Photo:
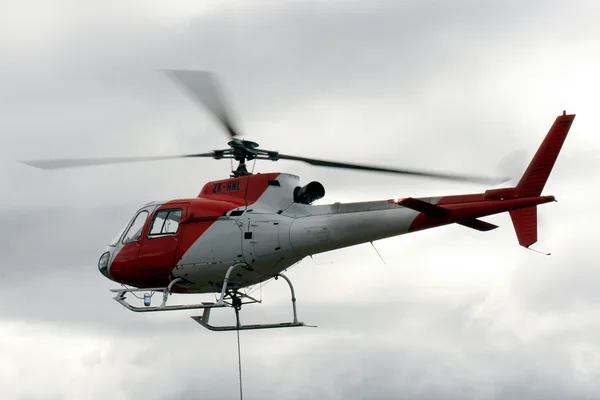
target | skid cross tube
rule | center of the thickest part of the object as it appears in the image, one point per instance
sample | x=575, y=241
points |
x=120, y=296
x=225, y=282
x=204, y=318
x=167, y=292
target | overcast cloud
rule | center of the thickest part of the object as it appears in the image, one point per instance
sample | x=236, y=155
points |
x=452, y=314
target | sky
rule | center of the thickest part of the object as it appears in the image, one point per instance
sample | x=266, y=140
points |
x=449, y=86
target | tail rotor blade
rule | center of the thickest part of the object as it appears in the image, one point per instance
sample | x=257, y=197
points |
x=513, y=165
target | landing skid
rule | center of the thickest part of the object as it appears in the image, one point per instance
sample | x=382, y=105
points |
x=232, y=299
x=237, y=305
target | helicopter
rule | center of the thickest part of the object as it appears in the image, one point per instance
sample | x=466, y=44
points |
x=251, y=227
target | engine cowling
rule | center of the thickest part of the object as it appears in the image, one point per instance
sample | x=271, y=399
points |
x=309, y=193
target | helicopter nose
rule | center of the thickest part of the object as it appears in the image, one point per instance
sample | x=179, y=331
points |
x=103, y=264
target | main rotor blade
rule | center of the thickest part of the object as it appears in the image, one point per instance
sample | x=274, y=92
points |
x=203, y=87
x=335, y=164
x=86, y=162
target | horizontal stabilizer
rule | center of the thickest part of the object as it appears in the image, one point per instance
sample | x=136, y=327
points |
x=422, y=206
x=478, y=224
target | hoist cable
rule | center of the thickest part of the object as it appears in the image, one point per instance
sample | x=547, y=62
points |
x=240, y=364
x=237, y=321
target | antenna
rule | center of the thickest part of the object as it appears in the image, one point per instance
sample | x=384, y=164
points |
x=311, y=257
x=377, y=251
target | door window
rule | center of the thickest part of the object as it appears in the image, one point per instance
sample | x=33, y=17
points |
x=166, y=222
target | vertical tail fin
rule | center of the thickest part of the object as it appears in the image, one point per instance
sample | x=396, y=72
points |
x=535, y=177
x=525, y=223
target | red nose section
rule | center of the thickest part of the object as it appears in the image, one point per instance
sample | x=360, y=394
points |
x=124, y=269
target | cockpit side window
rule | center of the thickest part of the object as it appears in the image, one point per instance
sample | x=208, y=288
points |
x=166, y=222
x=115, y=241
x=135, y=230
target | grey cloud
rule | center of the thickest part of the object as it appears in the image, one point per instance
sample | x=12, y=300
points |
x=403, y=83
x=403, y=56
x=442, y=355
x=567, y=284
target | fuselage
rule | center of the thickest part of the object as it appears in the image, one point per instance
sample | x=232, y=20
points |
x=254, y=220
x=259, y=223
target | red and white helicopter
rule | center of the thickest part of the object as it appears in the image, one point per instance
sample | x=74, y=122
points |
x=249, y=228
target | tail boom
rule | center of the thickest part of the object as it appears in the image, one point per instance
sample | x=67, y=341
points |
x=462, y=212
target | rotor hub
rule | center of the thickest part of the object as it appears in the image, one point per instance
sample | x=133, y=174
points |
x=239, y=143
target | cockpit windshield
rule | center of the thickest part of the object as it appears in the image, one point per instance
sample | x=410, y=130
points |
x=135, y=229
